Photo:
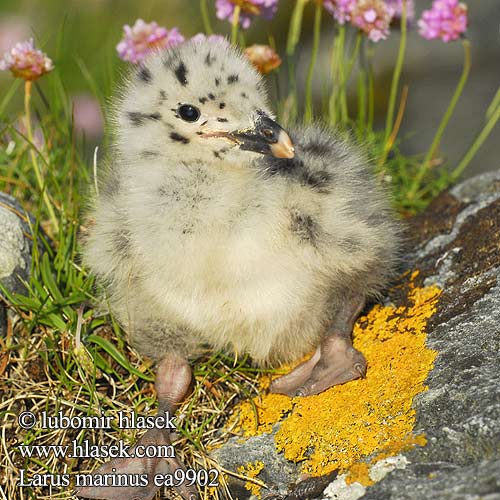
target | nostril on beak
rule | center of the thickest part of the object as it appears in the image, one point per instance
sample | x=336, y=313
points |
x=268, y=134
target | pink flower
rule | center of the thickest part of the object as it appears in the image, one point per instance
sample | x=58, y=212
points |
x=87, y=117
x=340, y=9
x=373, y=17
x=24, y=61
x=144, y=37
x=249, y=8
x=202, y=38
x=447, y=19
x=397, y=5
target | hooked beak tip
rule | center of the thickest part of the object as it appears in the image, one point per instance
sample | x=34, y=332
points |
x=283, y=147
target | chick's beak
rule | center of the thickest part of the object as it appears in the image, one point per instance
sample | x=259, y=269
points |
x=266, y=137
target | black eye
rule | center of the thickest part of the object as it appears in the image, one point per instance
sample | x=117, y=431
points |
x=188, y=113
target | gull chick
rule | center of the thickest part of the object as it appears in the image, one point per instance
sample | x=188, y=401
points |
x=216, y=227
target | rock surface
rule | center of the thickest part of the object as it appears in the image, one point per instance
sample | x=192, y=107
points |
x=458, y=246
x=15, y=249
x=455, y=244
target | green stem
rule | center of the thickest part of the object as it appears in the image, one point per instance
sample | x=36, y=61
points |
x=478, y=142
x=362, y=104
x=343, y=78
x=444, y=122
x=206, y=17
x=332, y=103
x=235, y=24
x=34, y=160
x=396, y=75
x=371, y=97
x=493, y=106
x=361, y=100
x=291, y=44
x=354, y=55
x=308, y=113
x=295, y=27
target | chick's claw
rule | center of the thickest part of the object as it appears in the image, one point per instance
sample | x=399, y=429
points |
x=334, y=362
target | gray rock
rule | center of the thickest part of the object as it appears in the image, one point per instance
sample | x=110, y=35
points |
x=15, y=249
x=456, y=244
x=460, y=414
x=278, y=472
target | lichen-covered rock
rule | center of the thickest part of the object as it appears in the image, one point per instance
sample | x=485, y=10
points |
x=455, y=244
x=15, y=249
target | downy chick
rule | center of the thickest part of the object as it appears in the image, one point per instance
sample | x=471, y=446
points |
x=216, y=227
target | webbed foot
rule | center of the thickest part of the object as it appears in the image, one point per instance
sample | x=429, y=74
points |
x=335, y=361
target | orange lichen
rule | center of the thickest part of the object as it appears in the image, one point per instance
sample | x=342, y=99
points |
x=252, y=470
x=359, y=473
x=368, y=417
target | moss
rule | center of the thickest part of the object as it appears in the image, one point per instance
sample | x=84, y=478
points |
x=372, y=417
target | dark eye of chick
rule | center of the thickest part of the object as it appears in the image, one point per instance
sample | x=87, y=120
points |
x=188, y=112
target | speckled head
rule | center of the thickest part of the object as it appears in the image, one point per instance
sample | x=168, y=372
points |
x=200, y=101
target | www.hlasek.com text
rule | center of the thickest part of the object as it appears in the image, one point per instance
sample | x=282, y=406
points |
x=85, y=449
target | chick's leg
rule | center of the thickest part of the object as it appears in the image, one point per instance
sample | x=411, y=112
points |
x=173, y=379
x=335, y=360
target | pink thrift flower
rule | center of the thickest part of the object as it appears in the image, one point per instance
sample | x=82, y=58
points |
x=143, y=37
x=249, y=8
x=447, y=19
x=87, y=116
x=202, y=38
x=24, y=61
x=340, y=9
x=373, y=17
x=397, y=5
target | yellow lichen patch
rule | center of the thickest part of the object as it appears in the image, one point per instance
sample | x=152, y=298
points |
x=339, y=427
x=359, y=473
x=252, y=470
x=270, y=409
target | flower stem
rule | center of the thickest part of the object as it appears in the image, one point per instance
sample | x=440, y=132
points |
x=34, y=160
x=478, y=142
x=342, y=75
x=396, y=75
x=371, y=97
x=362, y=90
x=295, y=27
x=206, y=17
x=495, y=103
x=235, y=24
x=444, y=122
x=308, y=113
x=397, y=124
x=332, y=103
